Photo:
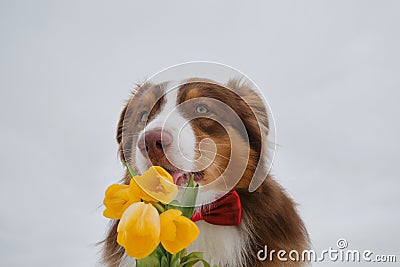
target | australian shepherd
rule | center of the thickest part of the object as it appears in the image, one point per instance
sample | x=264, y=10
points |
x=217, y=133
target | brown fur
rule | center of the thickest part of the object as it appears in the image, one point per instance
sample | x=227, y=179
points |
x=275, y=223
x=209, y=128
x=270, y=212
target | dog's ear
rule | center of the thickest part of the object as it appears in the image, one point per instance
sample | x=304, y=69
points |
x=125, y=127
x=253, y=112
x=125, y=144
x=127, y=124
x=119, y=131
x=124, y=124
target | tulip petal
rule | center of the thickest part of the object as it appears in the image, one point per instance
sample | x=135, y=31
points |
x=167, y=224
x=155, y=184
x=139, y=230
x=116, y=200
x=162, y=172
x=184, y=231
x=189, y=232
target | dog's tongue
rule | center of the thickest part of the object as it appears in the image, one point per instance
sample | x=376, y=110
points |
x=176, y=176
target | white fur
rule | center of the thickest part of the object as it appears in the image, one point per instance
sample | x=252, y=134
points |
x=127, y=261
x=222, y=245
x=181, y=152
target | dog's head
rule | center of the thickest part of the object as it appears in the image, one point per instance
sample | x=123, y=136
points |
x=217, y=133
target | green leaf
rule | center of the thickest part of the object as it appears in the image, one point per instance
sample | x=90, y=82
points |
x=193, y=258
x=189, y=263
x=191, y=181
x=192, y=262
x=188, y=200
x=149, y=261
x=189, y=197
x=182, y=253
x=155, y=259
x=198, y=255
x=175, y=260
x=160, y=250
x=164, y=262
x=174, y=204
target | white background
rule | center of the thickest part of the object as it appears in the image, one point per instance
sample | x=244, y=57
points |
x=329, y=69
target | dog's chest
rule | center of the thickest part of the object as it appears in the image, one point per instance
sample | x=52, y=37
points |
x=222, y=245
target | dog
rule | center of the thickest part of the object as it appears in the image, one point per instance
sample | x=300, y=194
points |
x=217, y=133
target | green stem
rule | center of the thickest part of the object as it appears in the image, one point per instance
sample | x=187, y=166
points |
x=131, y=172
x=159, y=207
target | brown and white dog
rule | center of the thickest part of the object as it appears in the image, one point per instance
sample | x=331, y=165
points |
x=215, y=132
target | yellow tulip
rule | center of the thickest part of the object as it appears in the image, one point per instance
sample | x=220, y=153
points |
x=155, y=184
x=117, y=199
x=139, y=230
x=177, y=231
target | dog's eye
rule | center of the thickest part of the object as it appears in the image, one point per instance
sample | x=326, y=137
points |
x=144, y=116
x=201, y=109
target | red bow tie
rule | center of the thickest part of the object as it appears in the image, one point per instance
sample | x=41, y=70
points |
x=226, y=210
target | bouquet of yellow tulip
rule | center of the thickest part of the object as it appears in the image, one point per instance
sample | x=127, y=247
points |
x=154, y=228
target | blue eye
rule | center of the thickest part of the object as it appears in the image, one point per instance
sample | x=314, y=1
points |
x=201, y=109
x=144, y=116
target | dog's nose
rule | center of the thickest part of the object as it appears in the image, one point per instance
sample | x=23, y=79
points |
x=154, y=142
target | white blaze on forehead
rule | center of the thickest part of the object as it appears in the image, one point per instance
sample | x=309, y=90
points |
x=170, y=97
x=181, y=152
